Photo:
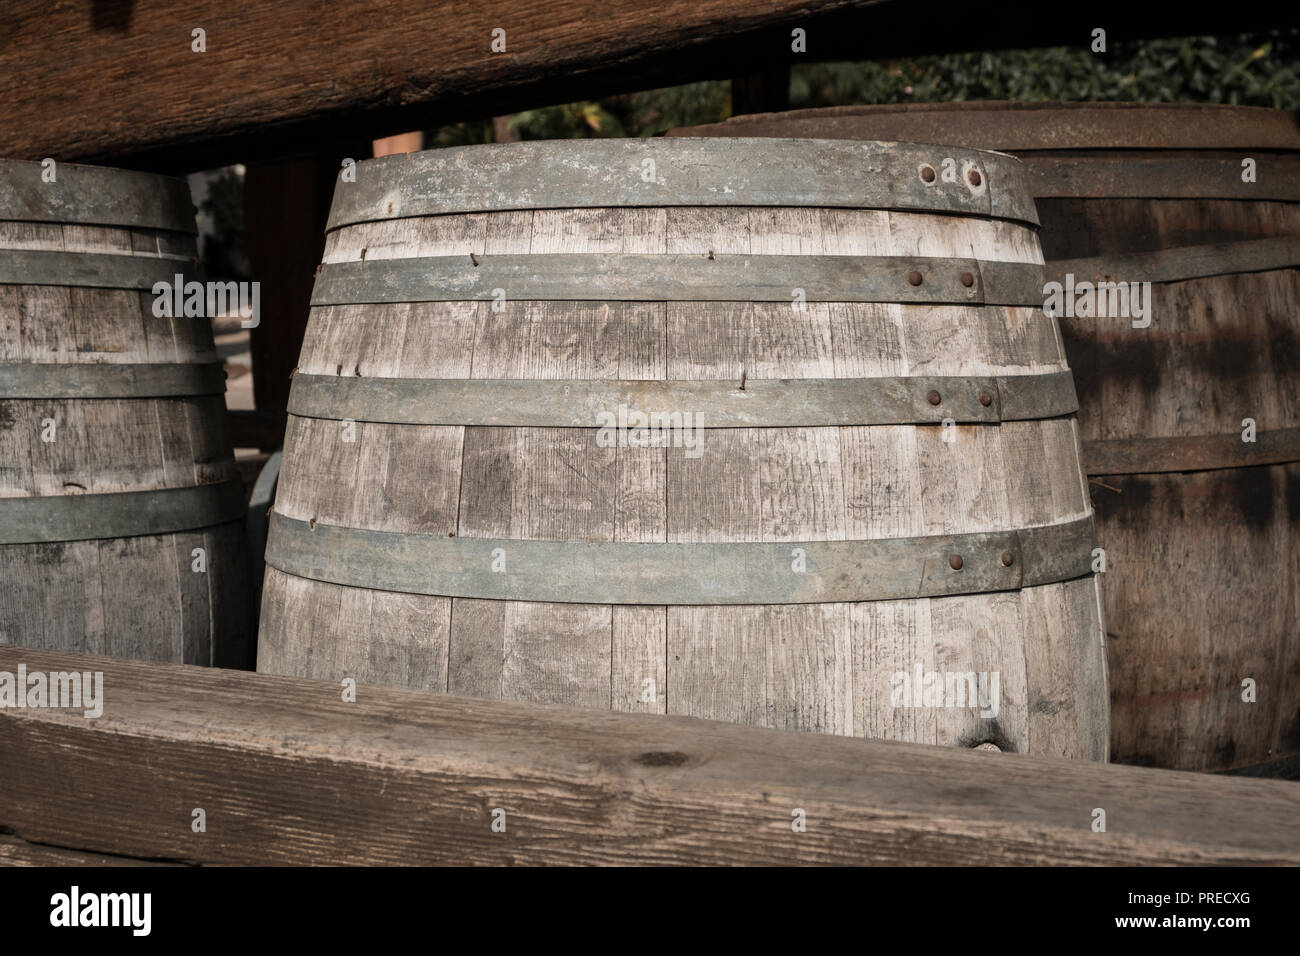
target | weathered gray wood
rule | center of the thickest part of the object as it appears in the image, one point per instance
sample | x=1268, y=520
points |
x=516, y=483
x=94, y=196
x=64, y=380
x=767, y=403
x=112, y=428
x=566, y=174
x=289, y=773
x=1197, y=524
x=103, y=271
x=607, y=572
x=1138, y=150
x=639, y=278
x=31, y=520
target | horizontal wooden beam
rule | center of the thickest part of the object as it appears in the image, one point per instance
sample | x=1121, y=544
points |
x=121, y=82
x=16, y=852
x=285, y=771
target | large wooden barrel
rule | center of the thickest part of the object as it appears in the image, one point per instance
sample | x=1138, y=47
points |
x=121, y=516
x=1200, y=527
x=873, y=507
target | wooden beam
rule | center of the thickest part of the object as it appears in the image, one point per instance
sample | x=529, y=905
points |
x=16, y=852
x=286, y=772
x=128, y=88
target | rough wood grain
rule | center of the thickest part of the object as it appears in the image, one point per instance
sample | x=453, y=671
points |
x=136, y=596
x=122, y=80
x=17, y=852
x=288, y=773
x=1203, y=569
x=830, y=667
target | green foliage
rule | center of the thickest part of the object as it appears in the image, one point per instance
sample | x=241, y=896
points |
x=1246, y=70
x=647, y=113
x=473, y=133
x=1250, y=70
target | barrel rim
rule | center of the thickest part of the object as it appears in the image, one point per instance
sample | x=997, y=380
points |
x=729, y=172
x=982, y=124
x=95, y=196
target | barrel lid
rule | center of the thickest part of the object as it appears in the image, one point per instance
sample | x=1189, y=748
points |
x=1017, y=127
x=94, y=196
x=559, y=174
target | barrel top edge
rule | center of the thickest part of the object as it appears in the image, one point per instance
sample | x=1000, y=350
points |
x=569, y=147
x=396, y=187
x=1023, y=126
x=87, y=195
x=1024, y=220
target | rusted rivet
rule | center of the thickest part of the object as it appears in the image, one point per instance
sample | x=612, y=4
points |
x=914, y=278
x=933, y=397
x=927, y=174
x=967, y=279
x=974, y=177
x=986, y=399
x=955, y=562
x=1008, y=559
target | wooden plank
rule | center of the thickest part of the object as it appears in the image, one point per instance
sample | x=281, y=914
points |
x=16, y=852
x=135, y=596
x=289, y=773
x=275, y=76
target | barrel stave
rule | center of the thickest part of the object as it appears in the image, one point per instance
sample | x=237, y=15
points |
x=136, y=596
x=818, y=667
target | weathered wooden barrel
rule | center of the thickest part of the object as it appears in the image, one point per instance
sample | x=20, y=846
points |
x=1200, y=527
x=854, y=504
x=121, y=517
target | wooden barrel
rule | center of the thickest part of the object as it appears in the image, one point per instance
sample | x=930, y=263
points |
x=1199, y=526
x=855, y=501
x=121, y=516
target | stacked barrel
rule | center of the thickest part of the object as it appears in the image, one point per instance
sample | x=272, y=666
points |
x=879, y=504
x=1190, y=413
x=121, y=516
